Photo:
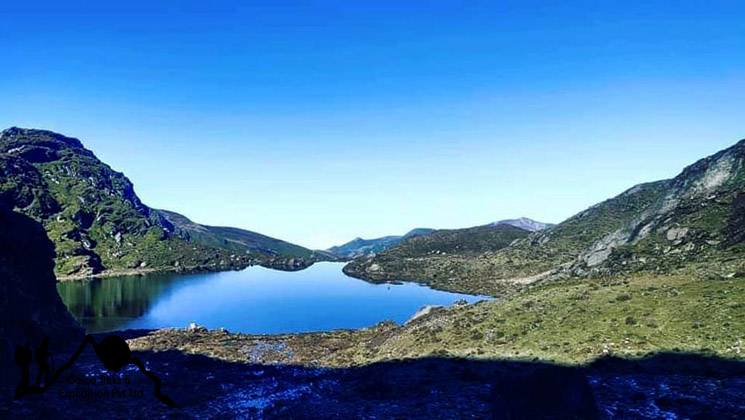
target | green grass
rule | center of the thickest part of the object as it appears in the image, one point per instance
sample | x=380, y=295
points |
x=579, y=320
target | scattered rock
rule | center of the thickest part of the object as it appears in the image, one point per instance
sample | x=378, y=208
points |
x=676, y=233
x=194, y=327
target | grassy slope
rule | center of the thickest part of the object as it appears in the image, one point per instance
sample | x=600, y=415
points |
x=86, y=188
x=577, y=320
x=548, y=249
x=699, y=222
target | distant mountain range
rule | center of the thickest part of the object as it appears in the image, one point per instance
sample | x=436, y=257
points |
x=97, y=223
x=695, y=222
x=358, y=247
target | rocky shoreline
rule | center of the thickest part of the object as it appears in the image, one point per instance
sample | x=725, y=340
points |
x=292, y=264
x=152, y=270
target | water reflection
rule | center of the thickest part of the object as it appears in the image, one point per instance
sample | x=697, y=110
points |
x=111, y=303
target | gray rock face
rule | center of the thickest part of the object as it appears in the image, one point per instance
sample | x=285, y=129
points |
x=524, y=223
x=603, y=248
x=675, y=234
x=30, y=307
x=424, y=310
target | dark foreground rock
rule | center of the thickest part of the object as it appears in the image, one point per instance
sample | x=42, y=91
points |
x=30, y=307
x=545, y=392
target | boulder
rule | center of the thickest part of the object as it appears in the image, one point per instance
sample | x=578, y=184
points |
x=543, y=392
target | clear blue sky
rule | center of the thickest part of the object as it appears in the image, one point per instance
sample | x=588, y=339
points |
x=319, y=121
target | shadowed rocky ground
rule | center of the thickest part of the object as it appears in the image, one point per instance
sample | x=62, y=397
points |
x=661, y=386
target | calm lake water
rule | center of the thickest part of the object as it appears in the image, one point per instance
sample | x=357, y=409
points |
x=256, y=300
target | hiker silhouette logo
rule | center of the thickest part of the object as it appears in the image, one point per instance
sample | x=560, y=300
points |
x=113, y=351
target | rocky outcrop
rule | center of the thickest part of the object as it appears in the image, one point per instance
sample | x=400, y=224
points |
x=30, y=307
x=23, y=187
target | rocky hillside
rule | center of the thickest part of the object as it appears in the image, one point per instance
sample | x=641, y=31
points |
x=98, y=223
x=30, y=307
x=359, y=247
x=694, y=221
x=441, y=259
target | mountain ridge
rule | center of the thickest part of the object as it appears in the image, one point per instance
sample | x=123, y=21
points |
x=243, y=240
x=98, y=223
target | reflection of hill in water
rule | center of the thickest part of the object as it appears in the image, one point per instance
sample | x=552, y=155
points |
x=110, y=303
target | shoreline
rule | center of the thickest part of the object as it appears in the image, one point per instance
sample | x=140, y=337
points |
x=152, y=270
x=509, y=286
x=282, y=265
